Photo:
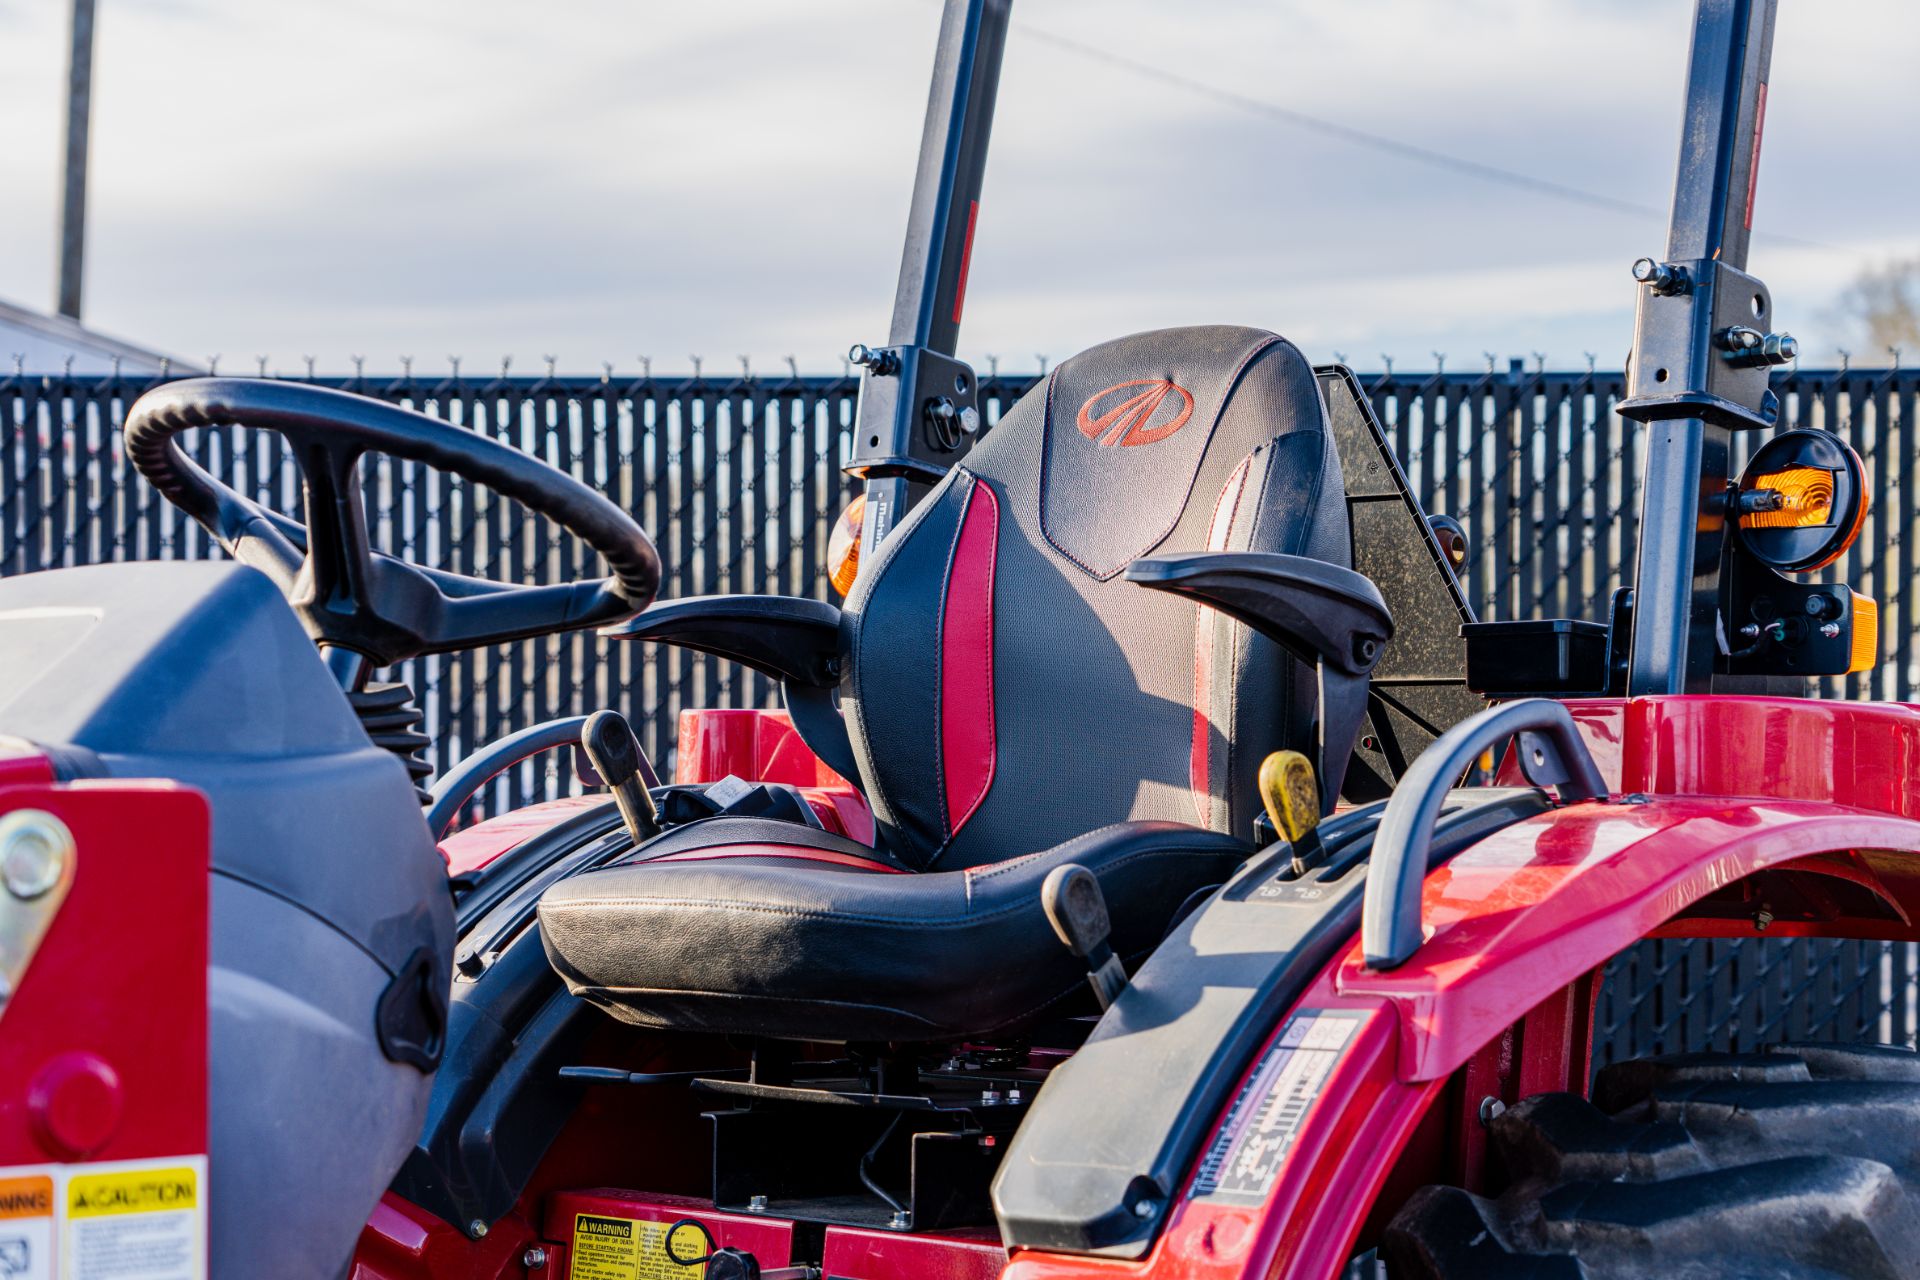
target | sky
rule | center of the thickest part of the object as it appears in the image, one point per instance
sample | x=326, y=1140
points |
x=601, y=180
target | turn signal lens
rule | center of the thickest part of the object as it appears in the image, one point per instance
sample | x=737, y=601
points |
x=1866, y=635
x=1805, y=501
x=1801, y=501
x=843, y=545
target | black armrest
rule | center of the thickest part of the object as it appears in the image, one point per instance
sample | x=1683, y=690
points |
x=1330, y=617
x=793, y=640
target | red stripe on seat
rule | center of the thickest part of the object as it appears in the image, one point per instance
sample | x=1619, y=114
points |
x=799, y=853
x=967, y=746
x=1199, y=760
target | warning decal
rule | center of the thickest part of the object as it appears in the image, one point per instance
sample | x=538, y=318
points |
x=109, y=1220
x=144, y=1222
x=1244, y=1158
x=26, y=1227
x=630, y=1249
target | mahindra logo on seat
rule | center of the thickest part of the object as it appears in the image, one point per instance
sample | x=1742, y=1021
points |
x=1155, y=410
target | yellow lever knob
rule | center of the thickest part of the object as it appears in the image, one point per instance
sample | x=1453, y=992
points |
x=1291, y=794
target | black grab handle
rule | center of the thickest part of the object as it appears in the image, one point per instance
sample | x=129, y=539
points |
x=1552, y=754
x=462, y=782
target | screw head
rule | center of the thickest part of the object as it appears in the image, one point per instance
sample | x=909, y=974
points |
x=534, y=1258
x=901, y=1220
x=477, y=1229
x=1491, y=1108
x=35, y=851
x=756, y=1204
x=1145, y=1208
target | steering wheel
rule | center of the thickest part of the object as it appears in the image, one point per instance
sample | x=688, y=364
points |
x=348, y=596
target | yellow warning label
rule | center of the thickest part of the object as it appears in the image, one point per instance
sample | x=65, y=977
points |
x=133, y=1191
x=26, y=1198
x=633, y=1249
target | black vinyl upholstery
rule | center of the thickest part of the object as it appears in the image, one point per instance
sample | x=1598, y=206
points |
x=1094, y=685
x=1007, y=692
x=776, y=941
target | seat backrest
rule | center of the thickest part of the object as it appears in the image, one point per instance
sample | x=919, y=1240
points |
x=1008, y=689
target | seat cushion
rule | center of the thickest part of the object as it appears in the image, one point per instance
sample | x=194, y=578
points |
x=815, y=937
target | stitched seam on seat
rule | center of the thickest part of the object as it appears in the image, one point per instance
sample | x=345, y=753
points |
x=799, y=913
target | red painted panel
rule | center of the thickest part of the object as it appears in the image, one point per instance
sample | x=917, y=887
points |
x=22, y=763
x=103, y=1047
x=758, y=746
x=471, y=848
x=1864, y=754
x=856, y=1254
x=404, y=1242
x=967, y=747
x=1531, y=908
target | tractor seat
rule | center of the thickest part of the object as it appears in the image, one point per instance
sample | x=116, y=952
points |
x=1011, y=703
x=736, y=924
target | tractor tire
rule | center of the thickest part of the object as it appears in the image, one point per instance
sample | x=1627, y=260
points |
x=1802, y=1161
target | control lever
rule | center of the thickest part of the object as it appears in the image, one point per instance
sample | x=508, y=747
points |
x=609, y=742
x=730, y=1263
x=1291, y=796
x=1077, y=909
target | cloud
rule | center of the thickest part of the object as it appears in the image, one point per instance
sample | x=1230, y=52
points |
x=605, y=178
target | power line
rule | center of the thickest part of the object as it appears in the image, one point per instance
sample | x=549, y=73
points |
x=1363, y=138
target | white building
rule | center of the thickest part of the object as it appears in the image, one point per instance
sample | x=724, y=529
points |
x=34, y=342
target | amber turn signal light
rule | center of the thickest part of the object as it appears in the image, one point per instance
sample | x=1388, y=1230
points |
x=1798, y=498
x=1801, y=502
x=843, y=545
x=1866, y=635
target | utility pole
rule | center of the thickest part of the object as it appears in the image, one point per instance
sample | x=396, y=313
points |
x=73, y=200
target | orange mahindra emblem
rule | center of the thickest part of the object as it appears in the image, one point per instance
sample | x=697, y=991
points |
x=1155, y=410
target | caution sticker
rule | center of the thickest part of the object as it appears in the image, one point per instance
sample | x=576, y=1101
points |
x=145, y=1220
x=1244, y=1158
x=607, y=1248
x=114, y=1220
x=26, y=1227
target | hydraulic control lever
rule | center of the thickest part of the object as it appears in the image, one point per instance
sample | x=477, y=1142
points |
x=1291, y=796
x=609, y=742
x=1077, y=909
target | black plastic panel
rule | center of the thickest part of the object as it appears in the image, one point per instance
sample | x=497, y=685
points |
x=1116, y=1128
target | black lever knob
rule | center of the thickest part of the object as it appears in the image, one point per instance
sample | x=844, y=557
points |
x=1077, y=909
x=609, y=742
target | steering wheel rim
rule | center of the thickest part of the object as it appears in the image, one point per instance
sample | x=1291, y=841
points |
x=348, y=595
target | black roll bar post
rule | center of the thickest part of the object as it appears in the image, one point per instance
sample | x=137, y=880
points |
x=1703, y=349
x=918, y=413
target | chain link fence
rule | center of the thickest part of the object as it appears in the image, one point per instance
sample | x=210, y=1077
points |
x=739, y=481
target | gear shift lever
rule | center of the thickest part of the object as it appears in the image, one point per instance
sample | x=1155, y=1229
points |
x=1077, y=909
x=615, y=752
